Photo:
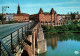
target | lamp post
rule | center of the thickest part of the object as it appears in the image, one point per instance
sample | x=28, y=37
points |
x=3, y=10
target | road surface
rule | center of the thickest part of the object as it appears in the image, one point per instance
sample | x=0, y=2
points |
x=9, y=28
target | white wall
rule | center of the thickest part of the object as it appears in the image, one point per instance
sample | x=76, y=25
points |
x=9, y=17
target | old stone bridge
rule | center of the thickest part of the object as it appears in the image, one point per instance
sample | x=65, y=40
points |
x=22, y=39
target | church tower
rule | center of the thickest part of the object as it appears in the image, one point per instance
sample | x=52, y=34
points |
x=40, y=11
x=18, y=10
x=52, y=11
x=41, y=15
x=52, y=15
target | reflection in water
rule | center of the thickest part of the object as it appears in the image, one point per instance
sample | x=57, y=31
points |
x=64, y=37
x=43, y=54
x=71, y=37
x=52, y=42
x=62, y=45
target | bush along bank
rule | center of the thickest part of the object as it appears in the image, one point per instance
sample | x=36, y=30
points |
x=65, y=29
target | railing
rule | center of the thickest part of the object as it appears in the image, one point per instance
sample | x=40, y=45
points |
x=11, y=43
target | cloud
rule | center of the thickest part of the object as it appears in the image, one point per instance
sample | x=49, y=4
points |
x=64, y=10
x=12, y=7
x=50, y=4
x=74, y=0
x=39, y=4
x=69, y=7
x=8, y=4
x=34, y=7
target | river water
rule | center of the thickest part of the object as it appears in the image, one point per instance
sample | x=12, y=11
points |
x=62, y=45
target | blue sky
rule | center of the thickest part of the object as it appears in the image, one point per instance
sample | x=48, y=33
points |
x=33, y=6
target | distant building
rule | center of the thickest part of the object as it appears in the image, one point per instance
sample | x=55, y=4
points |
x=46, y=16
x=33, y=17
x=9, y=16
x=49, y=18
x=76, y=16
x=21, y=16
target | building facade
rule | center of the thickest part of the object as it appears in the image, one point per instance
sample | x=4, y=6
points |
x=21, y=16
x=47, y=16
x=9, y=16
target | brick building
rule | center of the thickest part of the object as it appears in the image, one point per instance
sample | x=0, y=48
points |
x=51, y=18
x=47, y=16
x=21, y=16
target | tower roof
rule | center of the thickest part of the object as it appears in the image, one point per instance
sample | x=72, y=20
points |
x=18, y=5
x=40, y=11
x=52, y=11
x=18, y=10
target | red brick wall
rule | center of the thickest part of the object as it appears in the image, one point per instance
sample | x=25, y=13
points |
x=21, y=18
x=41, y=17
x=55, y=17
x=52, y=17
x=36, y=17
x=48, y=17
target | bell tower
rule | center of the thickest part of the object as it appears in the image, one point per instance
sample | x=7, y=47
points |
x=41, y=15
x=40, y=11
x=52, y=14
x=52, y=11
x=18, y=10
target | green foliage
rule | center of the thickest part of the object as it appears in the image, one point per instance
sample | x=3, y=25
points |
x=0, y=17
x=67, y=29
x=32, y=17
x=13, y=21
x=49, y=29
x=72, y=15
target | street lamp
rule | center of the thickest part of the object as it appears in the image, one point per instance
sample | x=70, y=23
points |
x=3, y=10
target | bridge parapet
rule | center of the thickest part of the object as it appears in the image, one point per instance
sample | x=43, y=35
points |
x=11, y=43
x=32, y=37
x=27, y=38
x=38, y=42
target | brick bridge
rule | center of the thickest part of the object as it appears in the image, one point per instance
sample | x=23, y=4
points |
x=25, y=40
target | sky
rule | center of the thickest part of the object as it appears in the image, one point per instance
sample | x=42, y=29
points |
x=33, y=6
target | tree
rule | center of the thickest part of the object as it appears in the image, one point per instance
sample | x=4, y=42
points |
x=32, y=17
x=0, y=17
x=72, y=16
x=71, y=13
x=68, y=13
x=77, y=12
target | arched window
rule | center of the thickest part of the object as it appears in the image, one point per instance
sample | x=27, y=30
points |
x=25, y=18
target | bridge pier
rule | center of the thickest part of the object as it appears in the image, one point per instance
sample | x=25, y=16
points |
x=41, y=42
x=36, y=37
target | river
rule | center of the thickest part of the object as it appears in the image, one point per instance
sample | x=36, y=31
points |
x=62, y=45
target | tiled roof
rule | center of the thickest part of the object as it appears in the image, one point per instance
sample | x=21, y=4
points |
x=46, y=13
x=21, y=14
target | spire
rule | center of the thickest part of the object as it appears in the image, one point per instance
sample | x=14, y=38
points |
x=40, y=11
x=18, y=4
x=18, y=10
x=52, y=11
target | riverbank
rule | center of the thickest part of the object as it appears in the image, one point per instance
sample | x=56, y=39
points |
x=64, y=29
